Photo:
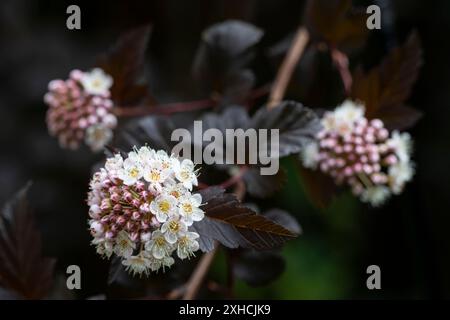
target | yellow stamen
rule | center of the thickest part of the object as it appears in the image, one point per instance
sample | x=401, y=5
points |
x=187, y=207
x=174, y=226
x=164, y=206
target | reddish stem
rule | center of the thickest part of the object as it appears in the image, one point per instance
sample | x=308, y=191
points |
x=234, y=179
x=166, y=109
x=340, y=60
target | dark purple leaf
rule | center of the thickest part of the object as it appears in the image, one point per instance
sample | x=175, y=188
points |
x=234, y=225
x=385, y=88
x=283, y=218
x=263, y=186
x=125, y=62
x=23, y=269
x=225, y=50
x=297, y=125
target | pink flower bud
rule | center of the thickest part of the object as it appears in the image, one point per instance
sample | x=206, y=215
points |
x=367, y=168
x=136, y=203
x=348, y=148
x=140, y=186
x=115, y=197
x=340, y=162
x=382, y=134
x=390, y=160
x=134, y=236
x=348, y=171
x=374, y=157
x=128, y=196
x=376, y=123
x=360, y=149
x=145, y=208
x=76, y=75
x=358, y=167
x=136, y=215
x=121, y=220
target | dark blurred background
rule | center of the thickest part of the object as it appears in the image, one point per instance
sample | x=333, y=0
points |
x=408, y=238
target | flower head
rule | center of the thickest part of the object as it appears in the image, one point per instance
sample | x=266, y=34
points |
x=96, y=82
x=80, y=110
x=142, y=224
x=361, y=153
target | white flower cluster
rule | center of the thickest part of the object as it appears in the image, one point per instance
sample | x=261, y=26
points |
x=361, y=153
x=141, y=208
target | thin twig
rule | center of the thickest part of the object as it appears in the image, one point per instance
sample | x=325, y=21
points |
x=340, y=60
x=197, y=277
x=195, y=281
x=287, y=67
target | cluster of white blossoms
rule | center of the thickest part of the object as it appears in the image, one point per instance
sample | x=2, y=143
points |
x=141, y=208
x=80, y=109
x=361, y=153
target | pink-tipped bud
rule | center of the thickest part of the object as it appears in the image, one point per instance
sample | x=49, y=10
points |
x=390, y=160
x=382, y=134
x=115, y=197
x=362, y=122
x=358, y=167
x=331, y=162
x=357, y=140
x=377, y=123
x=136, y=215
x=376, y=167
x=128, y=196
x=338, y=149
x=129, y=226
x=348, y=171
x=340, y=162
x=117, y=207
x=121, y=220
x=76, y=75
x=140, y=186
x=370, y=138
x=145, y=207
x=134, y=236
x=374, y=157
x=324, y=167
x=367, y=168
x=127, y=213
x=359, y=130
x=106, y=183
x=360, y=149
